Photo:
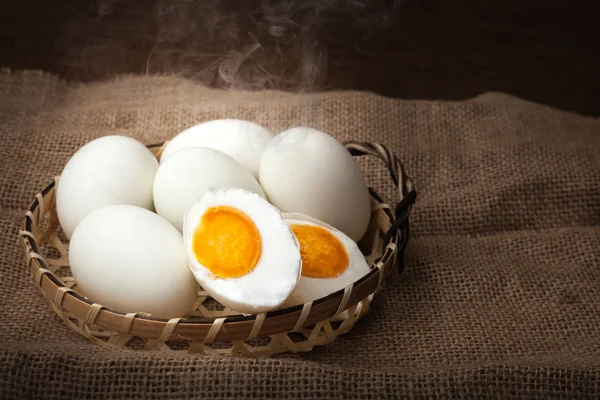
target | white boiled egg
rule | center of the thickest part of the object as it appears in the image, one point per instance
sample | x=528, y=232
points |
x=131, y=260
x=184, y=177
x=330, y=259
x=241, y=251
x=242, y=140
x=106, y=171
x=307, y=171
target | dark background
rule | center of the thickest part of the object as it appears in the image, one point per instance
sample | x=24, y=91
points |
x=544, y=51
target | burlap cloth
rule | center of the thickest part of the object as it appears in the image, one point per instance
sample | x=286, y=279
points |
x=501, y=295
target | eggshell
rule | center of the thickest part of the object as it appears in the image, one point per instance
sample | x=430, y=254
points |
x=242, y=140
x=185, y=176
x=307, y=171
x=106, y=171
x=131, y=260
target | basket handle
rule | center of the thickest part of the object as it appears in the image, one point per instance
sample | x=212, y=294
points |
x=407, y=193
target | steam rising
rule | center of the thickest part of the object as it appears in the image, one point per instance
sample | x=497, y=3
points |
x=262, y=44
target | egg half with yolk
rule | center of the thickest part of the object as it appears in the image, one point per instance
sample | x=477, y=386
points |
x=241, y=251
x=330, y=259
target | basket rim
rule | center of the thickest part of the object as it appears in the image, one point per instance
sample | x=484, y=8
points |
x=197, y=328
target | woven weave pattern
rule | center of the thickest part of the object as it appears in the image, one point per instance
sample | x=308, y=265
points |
x=500, y=295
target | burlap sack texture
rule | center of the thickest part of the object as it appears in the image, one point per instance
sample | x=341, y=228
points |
x=501, y=295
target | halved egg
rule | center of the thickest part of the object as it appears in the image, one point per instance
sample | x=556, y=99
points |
x=241, y=251
x=330, y=259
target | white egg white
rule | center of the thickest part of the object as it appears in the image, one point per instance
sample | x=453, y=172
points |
x=242, y=140
x=310, y=289
x=277, y=272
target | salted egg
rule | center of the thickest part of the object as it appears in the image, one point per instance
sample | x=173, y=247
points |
x=307, y=171
x=185, y=176
x=106, y=171
x=241, y=251
x=130, y=259
x=330, y=259
x=242, y=140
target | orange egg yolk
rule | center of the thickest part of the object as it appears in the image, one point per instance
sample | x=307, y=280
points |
x=323, y=255
x=227, y=242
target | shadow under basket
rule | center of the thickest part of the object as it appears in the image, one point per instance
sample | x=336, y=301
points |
x=210, y=328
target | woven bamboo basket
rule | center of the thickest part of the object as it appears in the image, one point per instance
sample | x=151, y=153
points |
x=210, y=328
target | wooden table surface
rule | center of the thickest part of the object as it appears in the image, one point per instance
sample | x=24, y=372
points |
x=544, y=51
